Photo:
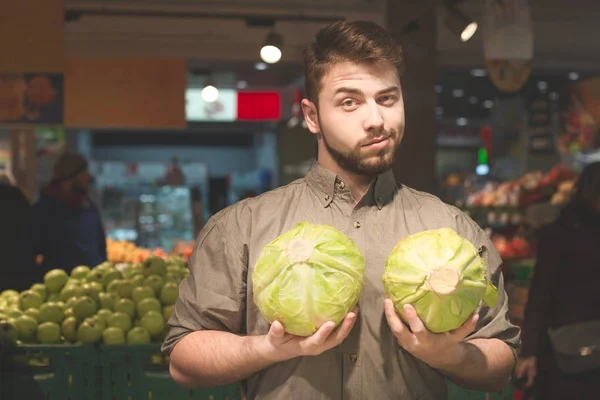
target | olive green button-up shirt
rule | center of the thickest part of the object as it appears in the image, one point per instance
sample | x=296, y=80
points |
x=369, y=364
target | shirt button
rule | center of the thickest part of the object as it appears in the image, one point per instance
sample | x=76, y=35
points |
x=327, y=197
x=356, y=224
x=353, y=357
x=342, y=185
x=379, y=199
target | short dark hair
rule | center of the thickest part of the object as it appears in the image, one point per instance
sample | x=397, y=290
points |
x=361, y=42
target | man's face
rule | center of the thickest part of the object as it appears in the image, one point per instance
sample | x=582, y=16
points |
x=360, y=117
x=82, y=181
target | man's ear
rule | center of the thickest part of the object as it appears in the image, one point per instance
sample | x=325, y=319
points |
x=310, y=116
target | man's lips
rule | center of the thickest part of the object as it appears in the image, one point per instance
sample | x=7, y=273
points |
x=376, y=141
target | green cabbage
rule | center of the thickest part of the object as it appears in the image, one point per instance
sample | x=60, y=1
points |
x=309, y=275
x=440, y=274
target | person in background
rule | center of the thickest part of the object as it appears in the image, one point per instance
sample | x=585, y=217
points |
x=13, y=215
x=564, y=291
x=66, y=228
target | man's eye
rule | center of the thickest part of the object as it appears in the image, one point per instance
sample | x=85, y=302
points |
x=348, y=103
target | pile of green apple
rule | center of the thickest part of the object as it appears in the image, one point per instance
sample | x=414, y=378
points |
x=104, y=304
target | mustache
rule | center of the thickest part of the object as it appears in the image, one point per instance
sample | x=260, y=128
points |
x=381, y=135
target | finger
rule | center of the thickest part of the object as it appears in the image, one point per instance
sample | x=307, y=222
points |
x=530, y=379
x=394, y=321
x=465, y=329
x=343, y=330
x=415, y=323
x=321, y=335
x=276, y=330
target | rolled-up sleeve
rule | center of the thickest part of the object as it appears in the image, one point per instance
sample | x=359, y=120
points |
x=213, y=296
x=493, y=321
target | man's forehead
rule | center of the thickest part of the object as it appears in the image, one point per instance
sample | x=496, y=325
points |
x=359, y=76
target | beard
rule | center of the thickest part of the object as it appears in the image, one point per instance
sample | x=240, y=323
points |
x=373, y=164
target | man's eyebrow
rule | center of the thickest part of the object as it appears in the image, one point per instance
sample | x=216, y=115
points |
x=349, y=90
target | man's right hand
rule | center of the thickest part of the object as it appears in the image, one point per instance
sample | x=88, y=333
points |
x=280, y=346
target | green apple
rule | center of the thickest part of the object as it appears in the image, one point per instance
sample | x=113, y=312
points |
x=51, y=312
x=48, y=333
x=120, y=320
x=93, y=290
x=126, y=306
x=153, y=322
x=34, y=313
x=80, y=272
x=8, y=293
x=173, y=277
x=148, y=304
x=108, y=300
x=168, y=312
x=110, y=274
x=26, y=327
x=29, y=299
x=142, y=292
x=104, y=314
x=155, y=282
x=113, y=336
x=71, y=291
x=9, y=331
x=40, y=289
x=98, y=321
x=84, y=307
x=169, y=293
x=53, y=297
x=55, y=280
x=137, y=280
x=89, y=332
x=184, y=273
x=154, y=265
x=95, y=275
x=69, y=329
x=138, y=336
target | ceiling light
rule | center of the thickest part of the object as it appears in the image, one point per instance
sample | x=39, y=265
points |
x=458, y=93
x=271, y=51
x=210, y=93
x=542, y=85
x=242, y=84
x=478, y=72
x=553, y=96
x=488, y=104
x=261, y=66
x=462, y=122
x=573, y=76
x=459, y=24
x=473, y=100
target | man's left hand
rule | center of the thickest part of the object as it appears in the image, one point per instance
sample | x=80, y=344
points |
x=439, y=350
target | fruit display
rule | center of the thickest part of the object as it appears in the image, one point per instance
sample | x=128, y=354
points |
x=530, y=188
x=442, y=275
x=515, y=247
x=121, y=251
x=308, y=261
x=129, y=304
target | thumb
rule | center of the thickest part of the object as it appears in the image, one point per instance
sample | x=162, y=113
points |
x=276, y=330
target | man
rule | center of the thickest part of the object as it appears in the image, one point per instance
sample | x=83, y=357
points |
x=13, y=214
x=218, y=335
x=66, y=227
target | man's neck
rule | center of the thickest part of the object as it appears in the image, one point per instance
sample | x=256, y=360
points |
x=359, y=184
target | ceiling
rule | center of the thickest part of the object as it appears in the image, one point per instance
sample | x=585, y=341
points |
x=215, y=39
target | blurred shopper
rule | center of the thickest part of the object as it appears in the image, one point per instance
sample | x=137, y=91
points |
x=561, y=336
x=13, y=214
x=65, y=228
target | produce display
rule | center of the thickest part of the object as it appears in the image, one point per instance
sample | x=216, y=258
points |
x=531, y=188
x=440, y=274
x=128, y=304
x=119, y=251
x=309, y=275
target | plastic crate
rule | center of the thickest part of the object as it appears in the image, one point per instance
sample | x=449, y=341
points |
x=142, y=373
x=456, y=392
x=61, y=372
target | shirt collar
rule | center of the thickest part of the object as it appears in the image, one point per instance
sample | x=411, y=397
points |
x=324, y=183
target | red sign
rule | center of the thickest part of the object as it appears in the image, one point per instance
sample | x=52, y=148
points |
x=258, y=106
